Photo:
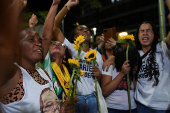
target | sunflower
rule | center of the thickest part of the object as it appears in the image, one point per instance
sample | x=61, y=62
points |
x=128, y=37
x=82, y=72
x=132, y=37
x=73, y=62
x=77, y=46
x=79, y=40
x=90, y=55
x=122, y=38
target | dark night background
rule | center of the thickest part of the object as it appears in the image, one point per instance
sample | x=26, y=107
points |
x=125, y=15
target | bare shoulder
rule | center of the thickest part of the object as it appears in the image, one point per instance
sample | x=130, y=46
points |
x=11, y=83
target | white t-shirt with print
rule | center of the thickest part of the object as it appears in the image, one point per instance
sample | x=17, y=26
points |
x=119, y=98
x=30, y=103
x=86, y=86
x=155, y=97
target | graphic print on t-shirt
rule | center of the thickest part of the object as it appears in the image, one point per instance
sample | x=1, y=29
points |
x=87, y=66
x=145, y=69
x=49, y=102
x=123, y=85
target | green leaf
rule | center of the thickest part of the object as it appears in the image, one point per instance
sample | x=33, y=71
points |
x=121, y=41
x=79, y=79
x=83, y=45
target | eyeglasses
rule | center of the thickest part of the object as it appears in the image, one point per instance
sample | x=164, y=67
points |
x=58, y=43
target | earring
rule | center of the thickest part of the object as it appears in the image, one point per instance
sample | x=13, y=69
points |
x=64, y=61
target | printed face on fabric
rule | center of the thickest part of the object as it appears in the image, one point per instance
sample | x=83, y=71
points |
x=82, y=30
x=49, y=102
x=30, y=46
x=146, y=35
x=57, y=47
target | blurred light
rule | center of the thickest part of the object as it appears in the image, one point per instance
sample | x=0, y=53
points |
x=112, y=1
x=123, y=33
x=94, y=30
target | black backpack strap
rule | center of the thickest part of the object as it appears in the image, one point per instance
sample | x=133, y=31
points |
x=143, y=56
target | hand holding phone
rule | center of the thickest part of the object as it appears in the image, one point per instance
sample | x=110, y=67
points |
x=109, y=32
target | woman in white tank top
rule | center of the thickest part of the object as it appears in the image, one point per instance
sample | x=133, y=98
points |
x=23, y=88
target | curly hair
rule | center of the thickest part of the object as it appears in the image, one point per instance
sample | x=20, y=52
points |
x=151, y=70
x=133, y=57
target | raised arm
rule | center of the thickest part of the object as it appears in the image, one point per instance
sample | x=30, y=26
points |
x=9, y=15
x=33, y=21
x=168, y=36
x=48, y=27
x=57, y=34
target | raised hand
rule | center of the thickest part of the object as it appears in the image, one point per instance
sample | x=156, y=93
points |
x=112, y=42
x=22, y=4
x=33, y=21
x=72, y=3
x=102, y=41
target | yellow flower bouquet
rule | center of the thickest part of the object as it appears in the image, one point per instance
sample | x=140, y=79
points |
x=75, y=64
x=126, y=38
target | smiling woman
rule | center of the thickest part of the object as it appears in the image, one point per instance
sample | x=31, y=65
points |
x=22, y=90
x=56, y=64
x=30, y=47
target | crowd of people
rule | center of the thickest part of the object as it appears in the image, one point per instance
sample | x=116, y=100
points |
x=26, y=88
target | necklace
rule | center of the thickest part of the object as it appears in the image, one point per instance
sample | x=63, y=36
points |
x=64, y=79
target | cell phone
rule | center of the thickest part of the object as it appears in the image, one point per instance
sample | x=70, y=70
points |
x=109, y=32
